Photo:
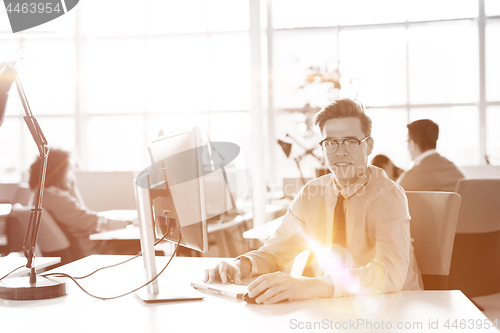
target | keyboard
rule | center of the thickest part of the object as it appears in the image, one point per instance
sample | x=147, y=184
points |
x=230, y=290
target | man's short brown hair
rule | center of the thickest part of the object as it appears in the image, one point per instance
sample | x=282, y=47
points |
x=344, y=108
x=424, y=133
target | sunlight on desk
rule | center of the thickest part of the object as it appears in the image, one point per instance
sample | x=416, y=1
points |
x=418, y=309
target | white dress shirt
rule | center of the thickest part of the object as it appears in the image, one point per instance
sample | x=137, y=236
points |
x=379, y=255
x=420, y=157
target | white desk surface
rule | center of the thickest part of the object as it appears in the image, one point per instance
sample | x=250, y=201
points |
x=5, y=209
x=78, y=312
x=7, y=264
x=119, y=214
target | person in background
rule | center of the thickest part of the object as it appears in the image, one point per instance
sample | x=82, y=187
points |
x=62, y=200
x=430, y=170
x=355, y=219
x=384, y=162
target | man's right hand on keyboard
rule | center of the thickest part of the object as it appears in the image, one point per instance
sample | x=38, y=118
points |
x=228, y=271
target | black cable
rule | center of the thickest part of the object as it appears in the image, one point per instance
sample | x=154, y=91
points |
x=3, y=277
x=105, y=267
x=114, y=265
x=114, y=297
x=123, y=262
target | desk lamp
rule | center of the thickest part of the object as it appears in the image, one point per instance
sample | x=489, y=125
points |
x=287, y=148
x=33, y=287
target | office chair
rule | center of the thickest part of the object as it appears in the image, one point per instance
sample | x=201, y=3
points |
x=13, y=193
x=475, y=265
x=434, y=217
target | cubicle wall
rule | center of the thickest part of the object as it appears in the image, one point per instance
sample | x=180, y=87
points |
x=107, y=190
x=15, y=193
x=8, y=192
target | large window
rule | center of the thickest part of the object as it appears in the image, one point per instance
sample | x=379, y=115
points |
x=104, y=85
x=402, y=60
x=108, y=77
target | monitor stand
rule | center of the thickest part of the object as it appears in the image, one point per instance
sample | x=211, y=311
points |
x=179, y=294
x=151, y=293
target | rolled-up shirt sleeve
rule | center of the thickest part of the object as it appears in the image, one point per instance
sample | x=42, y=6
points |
x=289, y=240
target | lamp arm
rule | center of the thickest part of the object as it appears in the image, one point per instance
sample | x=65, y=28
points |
x=300, y=144
x=36, y=212
x=311, y=152
x=297, y=161
x=307, y=151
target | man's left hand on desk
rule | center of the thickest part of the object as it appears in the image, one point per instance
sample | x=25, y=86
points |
x=276, y=287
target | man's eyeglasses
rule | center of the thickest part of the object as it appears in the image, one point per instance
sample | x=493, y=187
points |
x=351, y=145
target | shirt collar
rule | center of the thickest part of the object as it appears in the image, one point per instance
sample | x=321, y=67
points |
x=351, y=189
x=420, y=157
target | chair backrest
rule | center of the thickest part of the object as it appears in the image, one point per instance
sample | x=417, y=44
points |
x=434, y=217
x=50, y=237
x=475, y=265
x=480, y=210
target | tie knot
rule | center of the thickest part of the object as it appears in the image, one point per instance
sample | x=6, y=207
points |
x=340, y=199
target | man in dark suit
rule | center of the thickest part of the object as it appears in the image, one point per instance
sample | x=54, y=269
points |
x=430, y=171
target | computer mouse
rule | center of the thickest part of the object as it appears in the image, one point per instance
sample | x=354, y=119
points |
x=250, y=300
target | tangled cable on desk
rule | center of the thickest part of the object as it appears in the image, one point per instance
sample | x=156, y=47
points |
x=97, y=270
x=125, y=261
x=56, y=274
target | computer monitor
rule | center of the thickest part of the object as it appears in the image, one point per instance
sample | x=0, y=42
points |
x=172, y=200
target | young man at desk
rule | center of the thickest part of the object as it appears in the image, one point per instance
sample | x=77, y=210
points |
x=356, y=220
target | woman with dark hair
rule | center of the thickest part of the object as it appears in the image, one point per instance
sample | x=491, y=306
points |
x=384, y=162
x=62, y=200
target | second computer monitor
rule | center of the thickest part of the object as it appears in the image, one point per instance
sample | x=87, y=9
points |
x=171, y=201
